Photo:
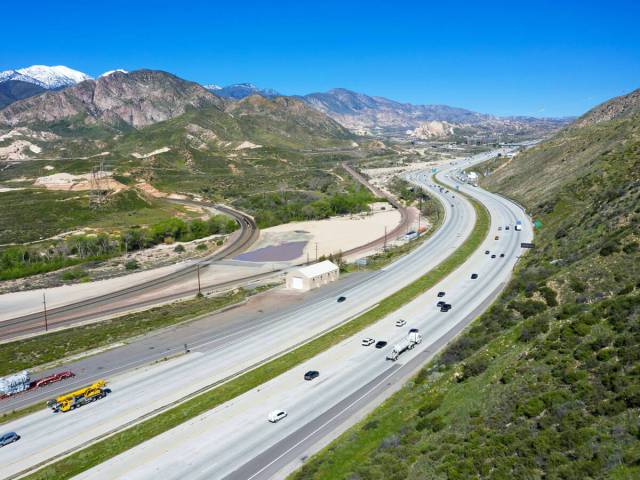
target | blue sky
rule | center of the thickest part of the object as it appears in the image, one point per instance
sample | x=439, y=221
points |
x=533, y=58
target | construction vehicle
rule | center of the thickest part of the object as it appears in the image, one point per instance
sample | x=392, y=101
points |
x=405, y=344
x=80, y=397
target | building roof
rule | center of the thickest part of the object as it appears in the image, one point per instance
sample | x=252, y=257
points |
x=316, y=269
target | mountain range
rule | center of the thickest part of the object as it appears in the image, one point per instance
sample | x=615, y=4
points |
x=362, y=114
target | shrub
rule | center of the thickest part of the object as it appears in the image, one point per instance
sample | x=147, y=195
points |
x=201, y=247
x=131, y=265
x=179, y=249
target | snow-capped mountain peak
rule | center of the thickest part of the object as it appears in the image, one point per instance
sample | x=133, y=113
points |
x=212, y=86
x=111, y=72
x=47, y=77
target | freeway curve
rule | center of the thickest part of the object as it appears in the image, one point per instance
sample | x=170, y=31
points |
x=235, y=441
x=150, y=389
x=130, y=298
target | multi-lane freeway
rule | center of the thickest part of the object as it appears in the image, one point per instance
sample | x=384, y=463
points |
x=235, y=439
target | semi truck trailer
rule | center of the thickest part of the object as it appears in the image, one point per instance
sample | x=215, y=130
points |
x=407, y=343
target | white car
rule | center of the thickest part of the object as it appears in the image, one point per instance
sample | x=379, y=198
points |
x=276, y=416
x=401, y=323
x=367, y=342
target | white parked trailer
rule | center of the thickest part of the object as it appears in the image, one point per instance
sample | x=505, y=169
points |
x=405, y=344
x=15, y=383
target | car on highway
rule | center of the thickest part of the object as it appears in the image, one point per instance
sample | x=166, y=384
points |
x=441, y=303
x=311, y=374
x=502, y=255
x=499, y=229
x=381, y=344
x=497, y=237
x=474, y=276
x=486, y=252
x=367, y=341
x=401, y=323
x=446, y=307
x=414, y=330
x=9, y=437
x=441, y=294
x=276, y=416
x=507, y=227
x=341, y=299
x=493, y=256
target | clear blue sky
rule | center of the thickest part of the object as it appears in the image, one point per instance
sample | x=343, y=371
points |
x=535, y=58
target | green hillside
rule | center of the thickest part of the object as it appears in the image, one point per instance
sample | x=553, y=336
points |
x=545, y=384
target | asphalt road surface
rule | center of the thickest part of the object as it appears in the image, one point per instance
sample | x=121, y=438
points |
x=236, y=441
x=151, y=388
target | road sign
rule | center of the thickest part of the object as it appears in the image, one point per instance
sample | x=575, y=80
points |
x=527, y=245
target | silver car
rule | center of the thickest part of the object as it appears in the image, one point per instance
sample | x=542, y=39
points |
x=9, y=437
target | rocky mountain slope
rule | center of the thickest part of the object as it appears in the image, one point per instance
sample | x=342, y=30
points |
x=357, y=111
x=539, y=173
x=14, y=90
x=546, y=383
x=239, y=91
x=136, y=99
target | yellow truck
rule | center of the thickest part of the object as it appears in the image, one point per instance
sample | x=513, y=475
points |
x=80, y=397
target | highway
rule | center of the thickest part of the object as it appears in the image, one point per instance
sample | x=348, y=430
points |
x=148, y=389
x=235, y=440
x=158, y=290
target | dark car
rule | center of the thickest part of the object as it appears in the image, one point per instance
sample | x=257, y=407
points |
x=493, y=256
x=440, y=303
x=502, y=255
x=311, y=374
x=441, y=294
x=381, y=344
x=486, y=252
x=341, y=299
x=414, y=330
x=9, y=437
x=446, y=307
x=507, y=227
x=474, y=276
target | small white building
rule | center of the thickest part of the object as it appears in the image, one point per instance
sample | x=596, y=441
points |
x=312, y=276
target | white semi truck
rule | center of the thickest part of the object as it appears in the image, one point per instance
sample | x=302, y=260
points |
x=407, y=343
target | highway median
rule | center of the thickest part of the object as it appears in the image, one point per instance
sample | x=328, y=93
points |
x=106, y=448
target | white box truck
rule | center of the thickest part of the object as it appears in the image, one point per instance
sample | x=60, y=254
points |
x=407, y=343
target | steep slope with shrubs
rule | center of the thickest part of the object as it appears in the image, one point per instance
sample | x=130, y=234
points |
x=546, y=383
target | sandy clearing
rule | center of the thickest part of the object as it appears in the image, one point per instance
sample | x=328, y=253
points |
x=333, y=235
x=68, y=182
x=247, y=144
x=155, y=152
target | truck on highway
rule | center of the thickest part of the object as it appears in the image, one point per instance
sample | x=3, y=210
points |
x=16, y=383
x=80, y=397
x=518, y=226
x=407, y=343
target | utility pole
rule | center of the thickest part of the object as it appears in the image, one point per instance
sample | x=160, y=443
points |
x=199, y=289
x=316, y=251
x=44, y=303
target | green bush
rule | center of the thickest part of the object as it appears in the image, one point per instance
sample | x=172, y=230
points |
x=131, y=265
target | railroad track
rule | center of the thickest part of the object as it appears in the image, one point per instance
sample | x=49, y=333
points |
x=98, y=306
